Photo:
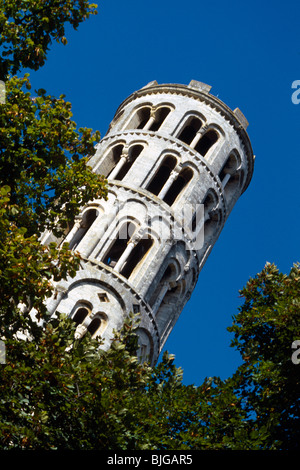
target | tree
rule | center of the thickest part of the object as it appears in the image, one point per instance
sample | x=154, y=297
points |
x=44, y=172
x=28, y=27
x=65, y=394
x=265, y=329
x=258, y=408
x=45, y=178
x=43, y=158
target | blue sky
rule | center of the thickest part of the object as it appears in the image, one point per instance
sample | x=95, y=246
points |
x=249, y=52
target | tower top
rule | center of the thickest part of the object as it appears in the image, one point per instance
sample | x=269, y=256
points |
x=201, y=92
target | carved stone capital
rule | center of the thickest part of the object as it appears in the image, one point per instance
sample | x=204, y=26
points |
x=80, y=331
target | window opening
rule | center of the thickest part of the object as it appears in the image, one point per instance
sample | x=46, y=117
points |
x=136, y=308
x=103, y=297
x=232, y=185
x=116, y=153
x=228, y=169
x=147, y=120
x=162, y=175
x=134, y=152
x=142, y=350
x=140, y=118
x=190, y=130
x=206, y=142
x=178, y=185
x=143, y=117
x=229, y=176
x=119, y=245
x=88, y=219
x=80, y=315
x=209, y=204
x=170, y=274
x=167, y=274
x=169, y=297
x=160, y=116
x=94, y=326
x=211, y=224
x=114, y=156
x=135, y=257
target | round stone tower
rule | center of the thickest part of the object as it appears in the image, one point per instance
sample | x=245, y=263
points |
x=176, y=159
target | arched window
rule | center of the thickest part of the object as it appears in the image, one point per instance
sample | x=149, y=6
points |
x=94, y=326
x=147, y=120
x=80, y=315
x=229, y=175
x=135, y=257
x=119, y=245
x=134, y=152
x=188, y=133
x=178, y=185
x=125, y=253
x=86, y=322
x=140, y=118
x=87, y=221
x=211, y=224
x=162, y=175
x=112, y=159
x=81, y=311
x=160, y=116
x=212, y=215
x=172, y=296
x=202, y=213
x=206, y=142
x=192, y=135
x=170, y=275
x=145, y=345
x=210, y=201
x=122, y=162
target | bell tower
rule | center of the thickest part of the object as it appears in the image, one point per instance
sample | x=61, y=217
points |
x=176, y=160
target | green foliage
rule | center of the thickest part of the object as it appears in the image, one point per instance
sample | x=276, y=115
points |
x=44, y=178
x=27, y=269
x=43, y=159
x=265, y=328
x=28, y=27
x=44, y=174
x=57, y=393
